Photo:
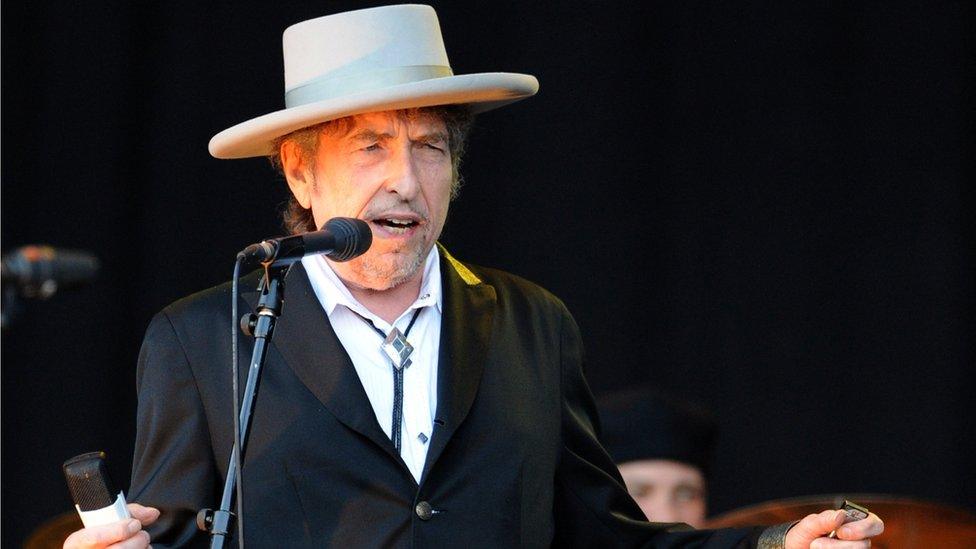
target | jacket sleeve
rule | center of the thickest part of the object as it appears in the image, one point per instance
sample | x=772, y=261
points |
x=173, y=465
x=592, y=507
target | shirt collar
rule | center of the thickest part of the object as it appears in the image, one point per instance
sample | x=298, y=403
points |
x=332, y=292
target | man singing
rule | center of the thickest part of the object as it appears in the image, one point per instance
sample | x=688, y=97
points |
x=484, y=437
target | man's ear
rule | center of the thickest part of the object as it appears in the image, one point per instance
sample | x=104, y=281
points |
x=296, y=169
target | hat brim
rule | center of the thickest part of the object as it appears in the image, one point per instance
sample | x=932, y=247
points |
x=481, y=91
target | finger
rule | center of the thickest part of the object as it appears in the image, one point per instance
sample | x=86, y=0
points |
x=821, y=524
x=861, y=529
x=74, y=541
x=145, y=515
x=138, y=541
x=829, y=543
x=102, y=536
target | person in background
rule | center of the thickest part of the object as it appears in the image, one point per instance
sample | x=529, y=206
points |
x=663, y=447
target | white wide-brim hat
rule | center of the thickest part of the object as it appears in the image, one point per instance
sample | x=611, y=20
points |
x=369, y=60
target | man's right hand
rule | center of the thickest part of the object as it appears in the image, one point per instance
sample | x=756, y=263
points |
x=124, y=534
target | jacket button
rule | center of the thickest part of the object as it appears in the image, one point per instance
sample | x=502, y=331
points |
x=424, y=510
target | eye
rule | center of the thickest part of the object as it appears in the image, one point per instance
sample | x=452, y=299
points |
x=434, y=146
x=371, y=148
x=641, y=490
x=687, y=494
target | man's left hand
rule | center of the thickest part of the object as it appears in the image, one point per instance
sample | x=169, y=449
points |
x=813, y=530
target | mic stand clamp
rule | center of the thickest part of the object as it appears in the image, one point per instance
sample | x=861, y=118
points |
x=259, y=325
x=215, y=522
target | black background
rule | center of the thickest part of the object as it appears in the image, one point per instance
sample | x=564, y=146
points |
x=761, y=206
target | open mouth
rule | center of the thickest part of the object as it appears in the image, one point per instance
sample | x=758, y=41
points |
x=396, y=224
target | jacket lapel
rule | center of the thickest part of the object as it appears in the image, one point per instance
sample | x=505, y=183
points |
x=468, y=306
x=305, y=339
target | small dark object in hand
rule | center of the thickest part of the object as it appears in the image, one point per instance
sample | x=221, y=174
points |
x=852, y=512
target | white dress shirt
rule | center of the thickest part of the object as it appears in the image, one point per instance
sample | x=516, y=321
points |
x=373, y=366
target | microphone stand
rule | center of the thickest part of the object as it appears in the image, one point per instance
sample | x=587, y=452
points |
x=260, y=325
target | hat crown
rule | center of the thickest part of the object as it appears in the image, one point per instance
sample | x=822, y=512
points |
x=361, y=42
x=370, y=60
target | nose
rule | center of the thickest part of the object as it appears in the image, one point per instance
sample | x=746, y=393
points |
x=658, y=510
x=403, y=178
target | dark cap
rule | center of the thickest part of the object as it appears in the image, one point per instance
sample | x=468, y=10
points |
x=641, y=424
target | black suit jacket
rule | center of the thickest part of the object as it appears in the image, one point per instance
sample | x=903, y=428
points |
x=513, y=460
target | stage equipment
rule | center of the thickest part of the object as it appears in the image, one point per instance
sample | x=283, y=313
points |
x=38, y=272
x=348, y=238
x=92, y=490
x=341, y=239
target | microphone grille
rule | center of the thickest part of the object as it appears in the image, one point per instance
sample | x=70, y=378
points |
x=89, y=482
x=352, y=237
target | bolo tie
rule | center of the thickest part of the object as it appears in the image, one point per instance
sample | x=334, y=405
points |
x=396, y=347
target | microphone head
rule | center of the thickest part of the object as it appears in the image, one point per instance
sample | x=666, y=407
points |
x=39, y=271
x=352, y=237
x=88, y=480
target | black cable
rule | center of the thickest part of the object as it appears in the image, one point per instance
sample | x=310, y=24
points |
x=237, y=405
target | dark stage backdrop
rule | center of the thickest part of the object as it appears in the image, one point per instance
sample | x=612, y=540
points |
x=763, y=207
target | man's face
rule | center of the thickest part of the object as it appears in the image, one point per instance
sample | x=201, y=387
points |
x=394, y=171
x=667, y=491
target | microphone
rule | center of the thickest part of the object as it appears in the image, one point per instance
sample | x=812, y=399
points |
x=39, y=271
x=340, y=239
x=91, y=489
